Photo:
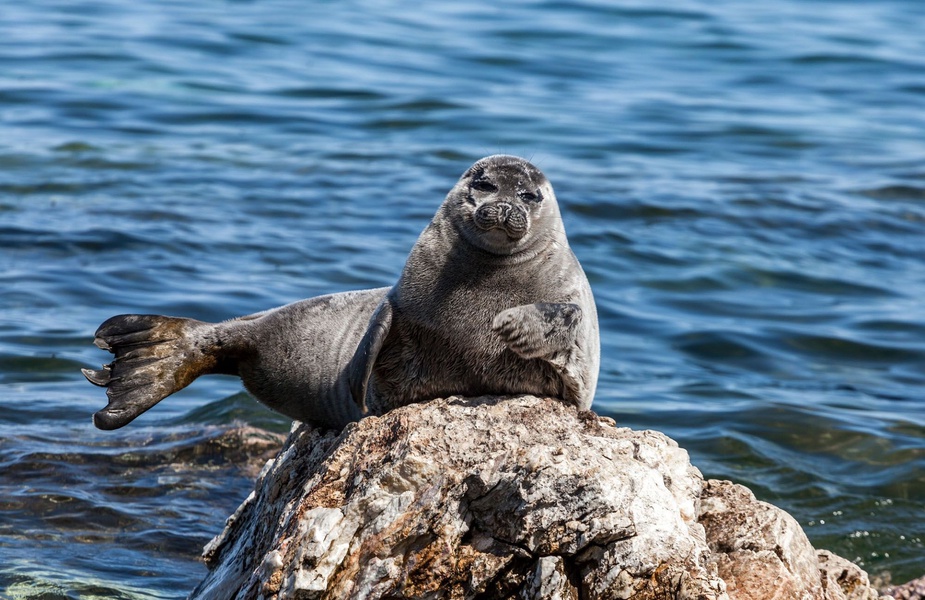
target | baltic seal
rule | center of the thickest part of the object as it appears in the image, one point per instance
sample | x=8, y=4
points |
x=490, y=301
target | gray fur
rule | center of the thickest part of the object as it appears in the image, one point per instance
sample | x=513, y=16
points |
x=491, y=301
x=290, y=358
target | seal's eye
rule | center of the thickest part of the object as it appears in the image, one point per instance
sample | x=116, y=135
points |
x=483, y=185
x=531, y=196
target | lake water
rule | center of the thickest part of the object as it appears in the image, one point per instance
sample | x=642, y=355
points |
x=743, y=182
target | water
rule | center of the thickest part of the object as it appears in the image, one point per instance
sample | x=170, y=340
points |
x=743, y=182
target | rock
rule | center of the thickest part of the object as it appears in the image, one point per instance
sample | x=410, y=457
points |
x=245, y=446
x=839, y=574
x=761, y=552
x=507, y=498
x=913, y=590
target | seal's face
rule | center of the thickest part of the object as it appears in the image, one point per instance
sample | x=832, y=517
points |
x=500, y=198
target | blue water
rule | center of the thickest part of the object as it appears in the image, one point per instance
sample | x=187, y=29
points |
x=743, y=182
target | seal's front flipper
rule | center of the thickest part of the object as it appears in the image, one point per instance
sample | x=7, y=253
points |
x=360, y=368
x=550, y=332
x=538, y=330
x=155, y=356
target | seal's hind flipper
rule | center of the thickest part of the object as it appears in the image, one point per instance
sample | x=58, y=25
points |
x=155, y=356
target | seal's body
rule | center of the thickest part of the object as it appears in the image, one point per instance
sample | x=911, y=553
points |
x=490, y=301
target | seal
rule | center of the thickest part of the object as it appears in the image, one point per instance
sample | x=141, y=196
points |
x=490, y=301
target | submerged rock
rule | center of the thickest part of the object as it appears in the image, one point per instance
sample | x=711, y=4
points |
x=508, y=498
x=913, y=590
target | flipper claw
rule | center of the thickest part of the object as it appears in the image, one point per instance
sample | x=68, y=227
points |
x=99, y=377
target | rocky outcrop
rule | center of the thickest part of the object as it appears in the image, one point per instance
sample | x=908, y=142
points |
x=761, y=552
x=508, y=498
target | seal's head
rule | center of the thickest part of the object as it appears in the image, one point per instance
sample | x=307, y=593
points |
x=504, y=205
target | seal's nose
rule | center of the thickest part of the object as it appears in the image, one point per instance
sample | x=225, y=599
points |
x=504, y=211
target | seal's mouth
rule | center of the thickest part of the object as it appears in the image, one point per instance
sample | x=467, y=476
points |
x=509, y=218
